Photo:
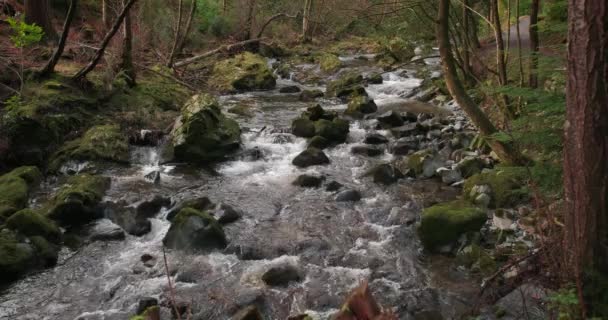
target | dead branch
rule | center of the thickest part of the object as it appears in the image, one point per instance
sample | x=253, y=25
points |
x=225, y=48
x=275, y=17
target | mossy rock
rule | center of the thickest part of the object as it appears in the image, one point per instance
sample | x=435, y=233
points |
x=244, y=72
x=335, y=131
x=203, y=133
x=46, y=252
x=17, y=257
x=318, y=142
x=15, y=187
x=303, y=127
x=400, y=49
x=99, y=143
x=241, y=109
x=76, y=202
x=152, y=310
x=195, y=230
x=359, y=106
x=416, y=160
x=345, y=86
x=444, y=223
x=470, y=166
x=508, y=186
x=477, y=260
x=31, y=223
x=329, y=62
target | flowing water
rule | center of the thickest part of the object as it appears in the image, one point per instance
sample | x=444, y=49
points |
x=335, y=245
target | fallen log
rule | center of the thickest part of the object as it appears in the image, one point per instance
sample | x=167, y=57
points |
x=222, y=49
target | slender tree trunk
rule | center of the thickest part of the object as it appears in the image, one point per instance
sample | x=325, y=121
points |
x=80, y=75
x=519, y=48
x=50, y=65
x=38, y=12
x=534, y=44
x=249, y=21
x=504, y=151
x=306, y=21
x=184, y=38
x=126, y=64
x=586, y=147
x=106, y=16
x=466, y=56
x=178, y=27
x=224, y=7
x=500, y=45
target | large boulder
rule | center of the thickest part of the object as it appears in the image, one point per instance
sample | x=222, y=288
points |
x=17, y=257
x=424, y=163
x=329, y=62
x=345, y=86
x=99, y=143
x=335, y=131
x=360, y=105
x=202, y=133
x=310, y=157
x=507, y=186
x=15, y=188
x=76, y=202
x=243, y=72
x=195, y=230
x=303, y=127
x=31, y=223
x=443, y=224
x=385, y=174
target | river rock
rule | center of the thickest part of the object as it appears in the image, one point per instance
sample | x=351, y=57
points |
x=290, y=89
x=303, y=127
x=375, y=79
x=226, y=213
x=15, y=188
x=202, y=134
x=31, y=223
x=281, y=275
x=146, y=137
x=244, y=72
x=444, y=223
x=385, y=174
x=367, y=150
x=333, y=186
x=390, y=119
x=507, y=185
x=308, y=181
x=318, y=142
x=404, y=146
x=76, y=202
x=360, y=105
x=335, y=131
x=344, y=86
x=153, y=177
x=201, y=203
x=425, y=162
x=248, y=313
x=106, y=230
x=310, y=157
x=145, y=303
x=195, y=230
x=470, y=166
x=348, y=196
x=310, y=95
x=407, y=130
x=449, y=176
x=375, y=138
x=150, y=207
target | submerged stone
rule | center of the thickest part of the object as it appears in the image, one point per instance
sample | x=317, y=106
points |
x=308, y=181
x=281, y=275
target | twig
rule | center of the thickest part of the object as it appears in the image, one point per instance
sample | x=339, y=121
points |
x=486, y=282
x=171, y=289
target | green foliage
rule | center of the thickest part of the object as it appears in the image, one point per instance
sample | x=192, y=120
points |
x=24, y=34
x=565, y=303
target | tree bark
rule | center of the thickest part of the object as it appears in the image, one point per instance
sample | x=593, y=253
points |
x=586, y=144
x=80, y=75
x=466, y=51
x=534, y=44
x=227, y=48
x=180, y=46
x=249, y=19
x=105, y=14
x=50, y=65
x=500, y=45
x=271, y=19
x=178, y=27
x=504, y=151
x=38, y=12
x=126, y=64
x=306, y=21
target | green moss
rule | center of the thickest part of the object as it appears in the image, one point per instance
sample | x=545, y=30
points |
x=31, y=223
x=204, y=134
x=303, y=127
x=46, y=252
x=329, y=62
x=15, y=187
x=508, y=185
x=360, y=105
x=334, y=131
x=241, y=109
x=415, y=161
x=75, y=202
x=182, y=234
x=244, y=72
x=100, y=143
x=144, y=315
x=444, y=223
x=344, y=86
x=477, y=259
x=400, y=49
x=16, y=257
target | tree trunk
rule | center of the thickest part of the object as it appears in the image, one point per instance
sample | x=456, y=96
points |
x=224, y=7
x=586, y=145
x=105, y=14
x=306, y=21
x=126, y=64
x=534, y=44
x=50, y=65
x=466, y=51
x=80, y=75
x=178, y=27
x=249, y=21
x=504, y=151
x=38, y=12
x=500, y=45
x=180, y=46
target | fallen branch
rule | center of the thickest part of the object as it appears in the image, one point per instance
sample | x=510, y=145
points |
x=178, y=81
x=486, y=282
x=410, y=62
x=225, y=48
x=276, y=16
x=171, y=289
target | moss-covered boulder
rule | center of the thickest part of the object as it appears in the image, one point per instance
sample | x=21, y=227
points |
x=31, y=223
x=15, y=188
x=345, y=86
x=470, y=166
x=335, y=131
x=202, y=133
x=329, y=62
x=195, y=230
x=46, y=252
x=76, y=202
x=417, y=160
x=16, y=257
x=508, y=186
x=310, y=157
x=99, y=143
x=444, y=223
x=303, y=127
x=358, y=106
x=400, y=49
x=244, y=72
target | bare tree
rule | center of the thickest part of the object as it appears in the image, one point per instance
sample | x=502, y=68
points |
x=586, y=148
x=505, y=151
x=126, y=59
x=534, y=44
x=105, y=14
x=50, y=65
x=178, y=26
x=306, y=37
x=249, y=19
